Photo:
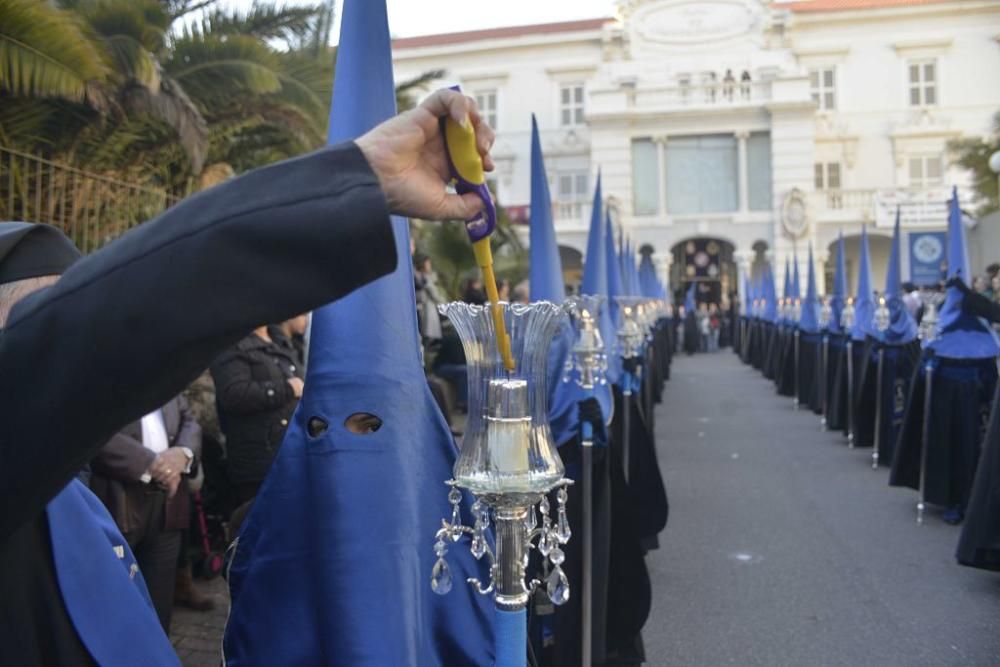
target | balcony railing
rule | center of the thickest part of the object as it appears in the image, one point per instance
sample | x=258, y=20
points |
x=682, y=97
x=918, y=207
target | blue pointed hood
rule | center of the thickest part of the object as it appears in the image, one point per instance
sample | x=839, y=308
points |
x=770, y=296
x=546, y=284
x=864, y=304
x=545, y=276
x=333, y=562
x=902, y=326
x=595, y=277
x=649, y=286
x=809, y=319
x=786, y=291
x=615, y=288
x=962, y=336
x=595, y=273
x=689, y=303
x=839, y=294
x=796, y=285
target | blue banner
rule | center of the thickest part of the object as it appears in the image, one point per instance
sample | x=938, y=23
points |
x=927, y=257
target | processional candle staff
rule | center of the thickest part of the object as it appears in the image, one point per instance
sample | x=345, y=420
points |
x=928, y=333
x=881, y=325
x=508, y=460
x=796, y=316
x=587, y=368
x=630, y=338
x=847, y=323
x=825, y=315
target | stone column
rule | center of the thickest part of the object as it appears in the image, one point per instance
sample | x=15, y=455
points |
x=661, y=168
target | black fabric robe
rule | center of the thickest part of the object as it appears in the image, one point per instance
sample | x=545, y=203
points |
x=898, y=365
x=961, y=395
x=979, y=544
x=127, y=328
x=836, y=390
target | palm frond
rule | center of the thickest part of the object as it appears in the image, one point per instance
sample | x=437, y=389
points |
x=171, y=105
x=45, y=52
x=406, y=92
x=263, y=21
x=221, y=68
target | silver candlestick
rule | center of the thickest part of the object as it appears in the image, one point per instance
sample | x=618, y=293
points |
x=509, y=463
x=587, y=367
x=929, y=332
x=881, y=321
x=847, y=324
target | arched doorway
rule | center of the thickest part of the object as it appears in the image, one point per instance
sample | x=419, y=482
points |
x=707, y=262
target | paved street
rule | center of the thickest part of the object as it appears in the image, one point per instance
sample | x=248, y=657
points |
x=785, y=548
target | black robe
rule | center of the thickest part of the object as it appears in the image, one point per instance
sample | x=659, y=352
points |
x=842, y=395
x=809, y=370
x=836, y=392
x=785, y=377
x=127, y=328
x=961, y=394
x=979, y=544
x=898, y=365
x=692, y=336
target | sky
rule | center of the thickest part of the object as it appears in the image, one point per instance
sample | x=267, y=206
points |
x=408, y=18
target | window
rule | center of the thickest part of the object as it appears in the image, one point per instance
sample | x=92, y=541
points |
x=486, y=100
x=925, y=171
x=923, y=83
x=759, y=171
x=827, y=175
x=645, y=177
x=702, y=174
x=571, y=194
x=822, y=85
x=571, y=105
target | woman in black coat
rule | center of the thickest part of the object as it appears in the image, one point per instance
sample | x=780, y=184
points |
x=258, y=383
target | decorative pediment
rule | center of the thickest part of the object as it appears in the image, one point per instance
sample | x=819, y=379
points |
x=679, y=23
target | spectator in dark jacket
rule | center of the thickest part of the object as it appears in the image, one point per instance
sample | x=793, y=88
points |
x=141, y=476
x=257, y=386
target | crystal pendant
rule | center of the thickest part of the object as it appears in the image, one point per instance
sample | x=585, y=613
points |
x=440, y=549
x=557, y=556
x=478, y=547
x=563, y=531
x=531, y=520
x=441, y=577
x=557, y=586
x=544, y=545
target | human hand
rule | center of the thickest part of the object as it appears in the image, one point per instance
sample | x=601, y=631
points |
x=297, y=385
x=407, y=154
x=167, y=469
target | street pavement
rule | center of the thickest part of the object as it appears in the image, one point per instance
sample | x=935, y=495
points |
x=784, y=547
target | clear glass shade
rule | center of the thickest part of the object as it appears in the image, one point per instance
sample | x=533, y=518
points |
x=507, y=447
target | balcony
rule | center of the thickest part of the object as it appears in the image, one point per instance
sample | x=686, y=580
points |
x=919, y=207
x=718, y=96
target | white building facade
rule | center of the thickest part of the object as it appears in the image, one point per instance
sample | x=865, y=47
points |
x=733, y=132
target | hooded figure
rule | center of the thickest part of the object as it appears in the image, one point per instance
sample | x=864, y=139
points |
x=810, y=344
x=836, y=375
x=691, y=333
x=81, y=596
x=959, y=371
x=333, y=563
x=776, y=344
x=881, y=404
x=786, y=368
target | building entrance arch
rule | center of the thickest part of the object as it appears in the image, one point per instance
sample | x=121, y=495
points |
x=708, y=263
